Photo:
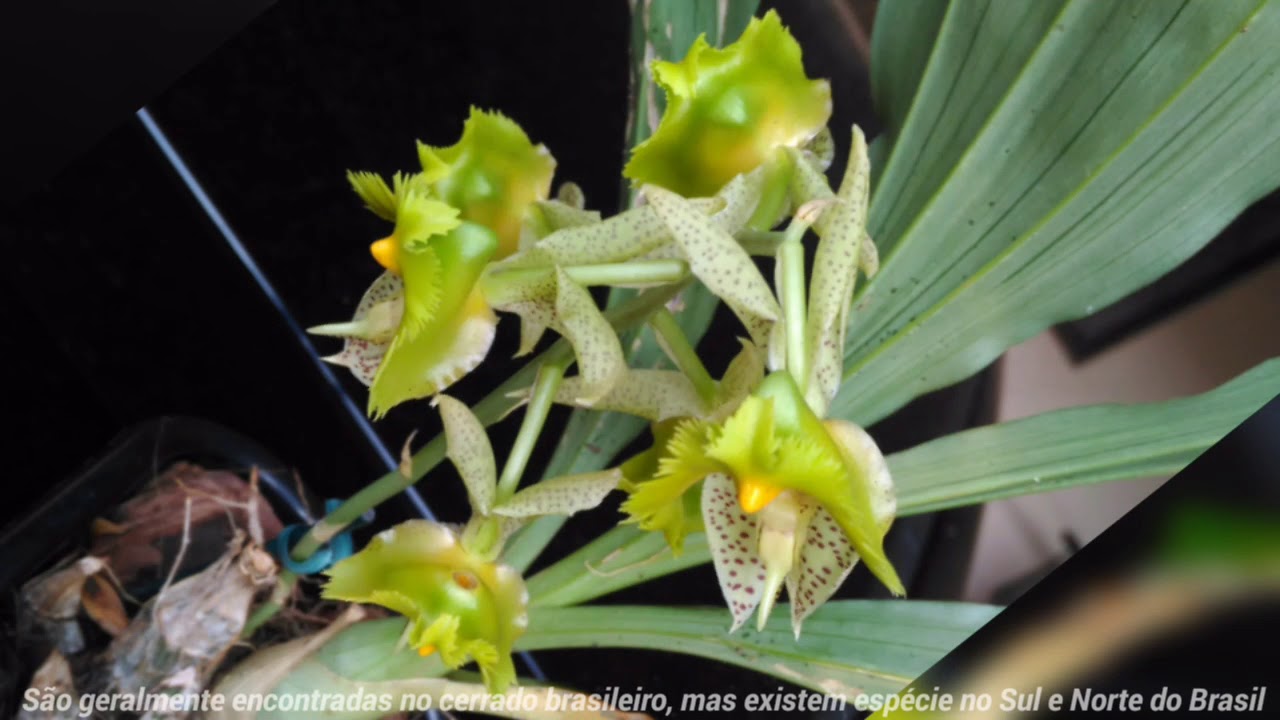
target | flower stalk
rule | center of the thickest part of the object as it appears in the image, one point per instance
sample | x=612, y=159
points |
x=550, y=374
x=682, y=352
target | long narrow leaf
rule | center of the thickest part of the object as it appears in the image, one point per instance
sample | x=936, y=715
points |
x=1077, y=446
x=848, y=648
x=1055, y=158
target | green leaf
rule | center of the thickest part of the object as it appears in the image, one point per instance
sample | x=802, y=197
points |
x=1077, y=446
x=1055, y=158
x=362, y=665
x=849, y=647
x=1052, y=451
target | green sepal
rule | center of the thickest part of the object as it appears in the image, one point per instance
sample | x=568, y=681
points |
x=561, y=496
x=469, y=450
x=493, y=174
x=729, y=109
x=717, y=259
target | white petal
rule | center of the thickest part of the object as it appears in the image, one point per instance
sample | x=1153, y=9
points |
x=826, y=555
x=363, y=351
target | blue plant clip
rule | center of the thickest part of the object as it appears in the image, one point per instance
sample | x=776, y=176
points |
x=340, y=547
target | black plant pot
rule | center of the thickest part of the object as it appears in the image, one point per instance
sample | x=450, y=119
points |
x=58, y=525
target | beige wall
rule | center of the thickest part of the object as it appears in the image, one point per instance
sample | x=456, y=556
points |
x=1190, y=352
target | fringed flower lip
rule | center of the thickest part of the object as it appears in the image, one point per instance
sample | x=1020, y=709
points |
x=422, y=324
x=786, y=499
x=731, y=110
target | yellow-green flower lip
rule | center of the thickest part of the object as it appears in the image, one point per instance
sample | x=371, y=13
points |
x=729, y=110
x=493, y=175
x=459, y=605
x=423, y=324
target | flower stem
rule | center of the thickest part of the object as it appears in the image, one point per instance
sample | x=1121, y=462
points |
x=791, y=292
x=760, y=242
x=623, y=274
x=535, y=416
x=683, y=353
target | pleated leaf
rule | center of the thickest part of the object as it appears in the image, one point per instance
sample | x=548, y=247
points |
x=1055, y=157
x=849, y=647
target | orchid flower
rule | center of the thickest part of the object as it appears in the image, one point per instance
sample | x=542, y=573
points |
x=422, y=324
x=730, y=111
x=426, y=322
x=458, y=604
x=785, y=497
x=460, y=599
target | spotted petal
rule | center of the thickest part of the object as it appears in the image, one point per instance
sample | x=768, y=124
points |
x=561, y=496
x=624, y=236
x=841, y=230
x=655, y=395
x=595, y=344
x=731, y=536
x=826, y=556
x=717, y=259
x=470, y=452
x=371, y=328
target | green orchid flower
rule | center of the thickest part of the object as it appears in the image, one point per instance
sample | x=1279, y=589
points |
x=786, y=499
x=730, y=111
x=423, y=324
x=458, y=604
x=460, y=599
x=494, y=175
